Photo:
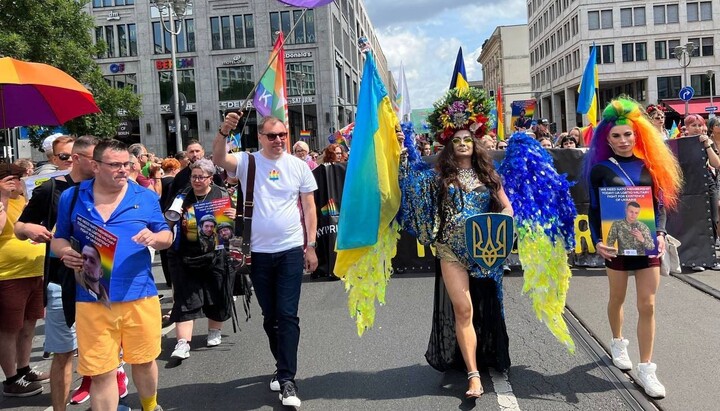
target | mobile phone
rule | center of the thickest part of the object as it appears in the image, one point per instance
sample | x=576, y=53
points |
x=75, y=244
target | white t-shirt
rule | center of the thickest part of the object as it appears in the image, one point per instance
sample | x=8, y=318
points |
x=276, y=224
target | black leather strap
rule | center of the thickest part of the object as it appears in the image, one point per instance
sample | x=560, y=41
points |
x=248, y=205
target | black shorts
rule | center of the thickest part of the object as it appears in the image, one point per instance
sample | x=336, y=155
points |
x=632, y=263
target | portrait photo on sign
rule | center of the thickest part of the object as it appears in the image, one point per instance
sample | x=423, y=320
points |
x=97, y=248
x=628, y=220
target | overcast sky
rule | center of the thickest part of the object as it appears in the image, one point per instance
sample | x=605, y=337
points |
x=425, y=36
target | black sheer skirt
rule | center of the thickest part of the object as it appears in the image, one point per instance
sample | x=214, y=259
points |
x=443, y=351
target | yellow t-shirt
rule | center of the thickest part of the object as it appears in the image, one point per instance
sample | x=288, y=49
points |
x=18, y=259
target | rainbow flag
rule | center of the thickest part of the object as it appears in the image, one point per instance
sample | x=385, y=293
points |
x=372, y=196
x=271, y=91
x=674, y=130
x=304, y=134
x=500, y=114
x=344, y=135
x=459, y=78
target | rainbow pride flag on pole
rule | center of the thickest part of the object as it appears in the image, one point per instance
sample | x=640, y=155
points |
x=270, y=95
x=371, y=196
x=500, y=114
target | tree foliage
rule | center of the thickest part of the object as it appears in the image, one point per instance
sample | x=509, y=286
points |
x=58, y=32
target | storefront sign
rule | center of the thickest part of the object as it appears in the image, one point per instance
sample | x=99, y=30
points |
x=189, y=107
x=305, y=100
x=235, y=104
x=297, y=54
x=236, y=60
x=113, y=15
x=117, y=67
x=181, y=63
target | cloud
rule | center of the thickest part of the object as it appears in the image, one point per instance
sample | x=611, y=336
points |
x=384, y=13
x=428, y=46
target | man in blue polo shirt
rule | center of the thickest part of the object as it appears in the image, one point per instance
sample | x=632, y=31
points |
x=118, y=220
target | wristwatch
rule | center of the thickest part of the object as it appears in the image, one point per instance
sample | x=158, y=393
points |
x=312, y=244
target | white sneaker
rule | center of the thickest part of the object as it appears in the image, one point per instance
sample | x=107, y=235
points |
x=274, y=383
x=214, y=338
x=619, y=354
x=182, y=350
x=648, y=380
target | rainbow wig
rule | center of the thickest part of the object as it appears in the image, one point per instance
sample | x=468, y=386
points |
x=649, y=147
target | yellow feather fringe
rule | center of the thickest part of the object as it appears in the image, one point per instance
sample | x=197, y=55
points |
x=547, y=279
x=366, y=280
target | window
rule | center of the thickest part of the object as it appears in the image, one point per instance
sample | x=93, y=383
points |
x=605, y=54
x=668, y=87
x=308, y=81
x=110, y=3
x=186, y=85
x=593, y=20
x=132, y=39
x=707, y=47
x=671, y=48
x=234, y=83
x=110, y=41
x=666, y=14
x=701, y=84
x=634, y=52
x=632, y=16
x=606, y=19
x=185, y=40
x=284, y=20
x=699, y=11
x=123, y=81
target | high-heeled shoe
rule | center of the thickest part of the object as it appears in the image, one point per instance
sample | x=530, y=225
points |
x=477, y=393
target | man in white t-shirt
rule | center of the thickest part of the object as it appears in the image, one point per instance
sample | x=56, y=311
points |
x=277, y=238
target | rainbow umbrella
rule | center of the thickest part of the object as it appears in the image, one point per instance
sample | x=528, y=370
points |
x=35, y=94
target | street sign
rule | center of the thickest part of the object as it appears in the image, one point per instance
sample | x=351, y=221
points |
x=686, y=93
x=711, y=109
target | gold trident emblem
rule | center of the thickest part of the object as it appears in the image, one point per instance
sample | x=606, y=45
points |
x=487, y=250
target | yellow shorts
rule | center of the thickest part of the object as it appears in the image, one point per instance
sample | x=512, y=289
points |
x=136, y=326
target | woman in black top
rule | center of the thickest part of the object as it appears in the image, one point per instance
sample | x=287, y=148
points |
x=626, y=150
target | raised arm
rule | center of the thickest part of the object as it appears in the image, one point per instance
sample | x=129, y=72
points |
x=220, y=154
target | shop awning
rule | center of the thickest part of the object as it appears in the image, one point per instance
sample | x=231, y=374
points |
x=694, y=107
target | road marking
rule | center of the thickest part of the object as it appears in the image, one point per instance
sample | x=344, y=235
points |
x=505, y=396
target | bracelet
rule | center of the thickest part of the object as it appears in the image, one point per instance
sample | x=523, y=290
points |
x=223, y=134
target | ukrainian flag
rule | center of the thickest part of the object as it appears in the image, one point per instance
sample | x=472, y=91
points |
x=367, y=236
x=459, y=78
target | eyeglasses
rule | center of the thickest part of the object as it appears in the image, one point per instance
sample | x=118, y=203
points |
x=64, y=156
x=199, y=178
x=300, y=151
x=273, y=136
x=466, y=140
x=117, y=165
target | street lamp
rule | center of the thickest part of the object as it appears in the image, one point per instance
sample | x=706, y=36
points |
x=175, y=8
x=710, y=74
x=300, y=78
x=684, y=56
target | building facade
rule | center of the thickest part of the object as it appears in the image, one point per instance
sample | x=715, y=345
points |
x=222, y=50
x=636, y=45
x=506, y=66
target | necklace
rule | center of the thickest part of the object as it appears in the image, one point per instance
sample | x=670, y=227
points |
x=468, y=178
x=203, y=198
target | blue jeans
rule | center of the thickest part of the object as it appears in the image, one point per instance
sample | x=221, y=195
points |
x=277, y=278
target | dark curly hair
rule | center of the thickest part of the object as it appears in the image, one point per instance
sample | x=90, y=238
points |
x=447, y=169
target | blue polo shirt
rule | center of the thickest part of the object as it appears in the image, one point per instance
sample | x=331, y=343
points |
x=131, y=270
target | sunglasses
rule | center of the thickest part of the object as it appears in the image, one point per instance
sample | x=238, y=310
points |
x=64, y=156
x=466, y=140
x=274, y=136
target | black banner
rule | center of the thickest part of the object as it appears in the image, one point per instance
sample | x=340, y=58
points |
x=691, y=223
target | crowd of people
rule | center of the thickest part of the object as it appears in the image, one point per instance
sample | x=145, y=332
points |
x=188, y=207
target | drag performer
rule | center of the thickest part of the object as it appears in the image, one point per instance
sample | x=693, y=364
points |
x=627, y=150
x=436, y=202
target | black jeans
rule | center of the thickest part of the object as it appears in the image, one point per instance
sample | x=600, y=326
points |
x=277, y=278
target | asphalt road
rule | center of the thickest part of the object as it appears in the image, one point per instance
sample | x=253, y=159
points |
x=386, y=370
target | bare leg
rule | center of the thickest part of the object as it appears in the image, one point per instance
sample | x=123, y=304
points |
x=60, y=380
x=145, y=377
x=214, y=325
x=104, y=394
x=457, y=283
x=647, y=282
x=24, y=343
x=8, y=352
x=184, y=330
x=618, y=288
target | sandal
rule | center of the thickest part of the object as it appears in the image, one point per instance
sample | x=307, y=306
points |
x=477, y=393
x=166, y=319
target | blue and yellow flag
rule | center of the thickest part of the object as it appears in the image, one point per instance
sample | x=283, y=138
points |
x=459, y=78
x=367, y=235
x=587, y=98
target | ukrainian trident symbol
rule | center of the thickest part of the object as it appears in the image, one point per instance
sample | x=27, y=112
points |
x=489, y=238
